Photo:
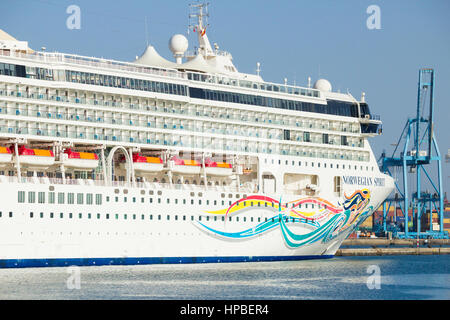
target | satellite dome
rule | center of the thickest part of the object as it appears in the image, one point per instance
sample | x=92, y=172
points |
x=323, y=85
x=178, y=44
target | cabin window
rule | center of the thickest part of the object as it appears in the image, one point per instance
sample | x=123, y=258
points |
x=31, y=197
x=21, y=196
x=337, y=185
x=89, y=198
x=80, y=199
x=51, y=197
x=70, y=198
x=98, y=199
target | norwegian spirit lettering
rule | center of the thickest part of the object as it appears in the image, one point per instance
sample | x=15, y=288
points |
x=364, y=181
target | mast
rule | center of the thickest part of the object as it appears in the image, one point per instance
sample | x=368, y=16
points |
x=198, y=23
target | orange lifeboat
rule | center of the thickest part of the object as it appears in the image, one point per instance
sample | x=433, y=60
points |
x=218, y=168
x=36, y=157
x=79, y=160
x=147, y=164
x=184, y=166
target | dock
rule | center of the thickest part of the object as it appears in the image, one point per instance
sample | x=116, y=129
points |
x=383, y=246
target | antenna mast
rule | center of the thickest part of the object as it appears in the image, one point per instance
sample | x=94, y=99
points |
x=198, y=22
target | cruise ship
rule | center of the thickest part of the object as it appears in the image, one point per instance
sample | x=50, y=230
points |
x=183, y=160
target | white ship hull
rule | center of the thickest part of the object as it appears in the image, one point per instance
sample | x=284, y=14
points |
x=38, y=235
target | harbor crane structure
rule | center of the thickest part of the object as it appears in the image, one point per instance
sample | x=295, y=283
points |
x=415, y=154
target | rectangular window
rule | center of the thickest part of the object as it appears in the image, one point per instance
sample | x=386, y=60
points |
x=89, y=198
x=21, y=196
x=70, y=198
x=337, y=185
x=41, y=197
x=31, y=197
x=306, y=137
x=80, y=198
x=51, y=197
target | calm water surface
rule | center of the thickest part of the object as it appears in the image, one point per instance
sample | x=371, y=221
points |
x=401, y=277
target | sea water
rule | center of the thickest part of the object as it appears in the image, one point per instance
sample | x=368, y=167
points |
x=383, y=277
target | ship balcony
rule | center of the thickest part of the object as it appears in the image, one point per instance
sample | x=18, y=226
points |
x=371, y=125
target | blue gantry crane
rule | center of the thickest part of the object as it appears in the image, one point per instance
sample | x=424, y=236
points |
x=417, y=159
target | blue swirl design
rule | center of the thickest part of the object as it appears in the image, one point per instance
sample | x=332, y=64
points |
x=354, y=210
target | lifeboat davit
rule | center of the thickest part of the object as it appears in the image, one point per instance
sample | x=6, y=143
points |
x=79, y=160
x=184, y=166
x=36, y=157
x=5, y=156
x=147, y=164
x=218, y=168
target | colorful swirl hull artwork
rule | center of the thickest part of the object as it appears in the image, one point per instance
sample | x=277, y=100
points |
x=325, y=223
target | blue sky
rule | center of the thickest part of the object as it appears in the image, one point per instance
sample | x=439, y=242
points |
x=291, y=39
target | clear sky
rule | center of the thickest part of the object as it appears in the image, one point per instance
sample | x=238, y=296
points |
x=290, y=38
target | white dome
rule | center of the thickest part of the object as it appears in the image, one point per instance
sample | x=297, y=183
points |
x=323, y=85
x=178, y=44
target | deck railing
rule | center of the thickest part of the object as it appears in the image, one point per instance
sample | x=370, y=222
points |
x=121, y=184
x=62, y=58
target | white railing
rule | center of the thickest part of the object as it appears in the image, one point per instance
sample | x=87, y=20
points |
x=122, y=184
x=50, y=57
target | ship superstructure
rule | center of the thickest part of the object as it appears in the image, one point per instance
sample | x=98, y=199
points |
x=150, y=161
